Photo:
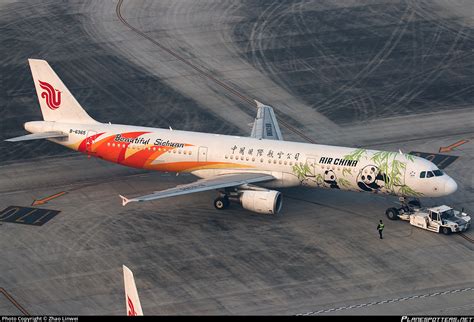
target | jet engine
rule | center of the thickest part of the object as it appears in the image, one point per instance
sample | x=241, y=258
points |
x=267, y=202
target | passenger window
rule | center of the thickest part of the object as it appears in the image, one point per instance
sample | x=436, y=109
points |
x=429, y=174
x=422, y=174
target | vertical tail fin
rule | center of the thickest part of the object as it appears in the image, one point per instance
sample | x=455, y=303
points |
x=131, y=295
x=57, y=103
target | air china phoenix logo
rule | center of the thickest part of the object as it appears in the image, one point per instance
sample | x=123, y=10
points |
x=131, y=311
x=52, y=95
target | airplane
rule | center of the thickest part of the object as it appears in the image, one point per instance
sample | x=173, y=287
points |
x=132, y=302
x=244, y=170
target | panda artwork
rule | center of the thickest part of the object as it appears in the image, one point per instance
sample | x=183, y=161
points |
x=371, y=179
x=330, y=179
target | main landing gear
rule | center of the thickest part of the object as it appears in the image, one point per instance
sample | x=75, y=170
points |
x=222, y=202
x=225, y=197
x=406, y=208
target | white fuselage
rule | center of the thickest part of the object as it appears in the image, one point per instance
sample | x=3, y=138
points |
x=292, y=163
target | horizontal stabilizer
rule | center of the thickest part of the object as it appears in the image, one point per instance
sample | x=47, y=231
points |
x=37, y=136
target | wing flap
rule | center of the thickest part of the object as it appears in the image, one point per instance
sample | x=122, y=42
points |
x=217, y=182
x=38, y=136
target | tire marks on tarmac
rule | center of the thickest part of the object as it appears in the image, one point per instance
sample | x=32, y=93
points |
x=388, y=301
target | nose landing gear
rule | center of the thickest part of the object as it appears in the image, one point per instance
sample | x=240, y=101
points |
x=415, y=203
x=407, y=207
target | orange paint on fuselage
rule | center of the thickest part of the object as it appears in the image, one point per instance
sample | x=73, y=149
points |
x=188, y=166
x=145, y=156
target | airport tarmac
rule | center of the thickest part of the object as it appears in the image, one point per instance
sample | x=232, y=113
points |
x=386, y=75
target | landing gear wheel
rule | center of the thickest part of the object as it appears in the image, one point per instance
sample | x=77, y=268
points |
x=414, y=203
x=446, y=230
x=222, y=203
x=392, y=213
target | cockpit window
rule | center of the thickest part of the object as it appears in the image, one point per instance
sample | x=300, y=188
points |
x=422, y=174
x=438, y=173
x=429, y=174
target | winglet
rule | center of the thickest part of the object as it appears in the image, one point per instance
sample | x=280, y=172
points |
x=259, y=104
x=125, y=200
x=132, y=302
x=265, y=125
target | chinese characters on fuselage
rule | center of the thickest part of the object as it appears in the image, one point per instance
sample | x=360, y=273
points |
x=261, y=152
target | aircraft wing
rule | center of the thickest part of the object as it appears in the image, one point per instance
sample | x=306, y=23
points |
x=37, y=136
x=265, y=125
x=217, y=182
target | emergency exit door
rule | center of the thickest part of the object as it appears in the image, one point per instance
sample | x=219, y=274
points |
x=202, y=154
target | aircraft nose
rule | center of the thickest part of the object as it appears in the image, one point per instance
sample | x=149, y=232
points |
x=450, y=186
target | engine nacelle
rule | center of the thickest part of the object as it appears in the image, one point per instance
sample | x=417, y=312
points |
x=267, y=202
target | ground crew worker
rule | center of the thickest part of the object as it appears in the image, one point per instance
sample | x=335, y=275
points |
x=380, y=228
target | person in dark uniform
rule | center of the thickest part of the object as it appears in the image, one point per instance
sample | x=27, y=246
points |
x=380, y=227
